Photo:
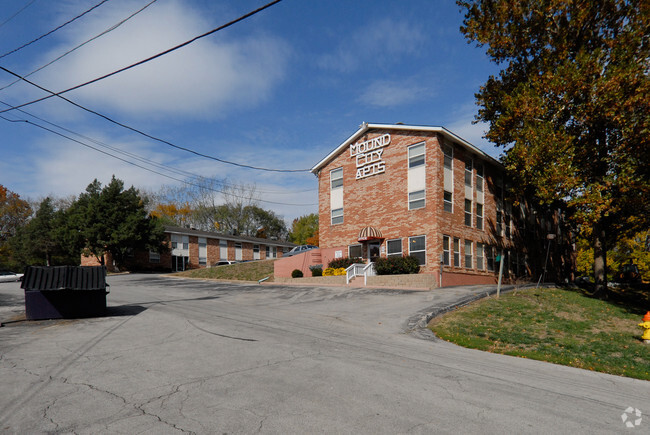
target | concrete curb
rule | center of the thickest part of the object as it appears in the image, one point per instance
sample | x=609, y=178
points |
x=417, y=323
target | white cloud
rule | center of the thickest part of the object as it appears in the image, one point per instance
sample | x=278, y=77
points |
x=377, y=42
x=384, y=93
x=203, y=79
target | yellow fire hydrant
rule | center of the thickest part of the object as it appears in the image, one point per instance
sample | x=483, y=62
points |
x=646, y=325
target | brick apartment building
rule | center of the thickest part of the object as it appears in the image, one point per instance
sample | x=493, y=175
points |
x=192, y=249
x=416, y=190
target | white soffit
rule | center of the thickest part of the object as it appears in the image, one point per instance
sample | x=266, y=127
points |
x=366, y=127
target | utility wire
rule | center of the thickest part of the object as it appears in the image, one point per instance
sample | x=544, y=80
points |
x=110, y=29
x=16, y=14
x=147, y=135
x=156, y=56
x=53, y=30
x=140, y=166
x=144, y=159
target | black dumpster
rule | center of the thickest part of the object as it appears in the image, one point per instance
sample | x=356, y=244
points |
x=64, y=292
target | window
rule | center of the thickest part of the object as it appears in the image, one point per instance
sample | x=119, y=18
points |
x=468, y=172
x=417, y=248
x=354, y=251
x=186, y=242
x=479, y=216
x=416, y=200
x=336, y=178
x=154, y=257
x=468, y=212
x=499, y=223
x=449, y=156
x=203, y=251
x=456, y=252
x=507, y=222
x=468, y=254
x=394, y=248
x=489, y=255
x=223, y=249
x=479, y=256
x=479, y=177
x=447, y=200
x=416, y=155
x=256, y=249
x=445, y=250
x=337, y=216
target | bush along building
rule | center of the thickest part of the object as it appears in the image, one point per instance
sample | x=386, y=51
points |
x=398, y=190
x=192, y=249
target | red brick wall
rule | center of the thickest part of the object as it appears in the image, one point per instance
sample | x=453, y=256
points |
x=381, y=201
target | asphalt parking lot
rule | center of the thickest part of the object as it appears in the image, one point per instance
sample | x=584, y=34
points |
x=185, y=356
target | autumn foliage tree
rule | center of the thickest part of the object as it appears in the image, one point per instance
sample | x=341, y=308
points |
x=571, y=107
x=14, y=213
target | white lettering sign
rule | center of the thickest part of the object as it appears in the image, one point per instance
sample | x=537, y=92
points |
x=368, y=156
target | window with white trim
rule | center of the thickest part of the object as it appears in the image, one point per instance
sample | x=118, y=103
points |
x=479, y=177
x=448, y=152
x=416, y=155
x=468, y=212
x=445, y=250
x=468, y=172
x=203, y=251
x=456, y=252
x=416, y=200
x=394, y=248
x=480, y=256
x=355, y=251
x=489, y=255
x=479, y=216
x=337, y=216
x=417, y=248
x=448, y=201
x=154, y=257
x=468, y=254
x=336, y=178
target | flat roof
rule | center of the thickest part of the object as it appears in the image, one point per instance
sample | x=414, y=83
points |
x=365, y=127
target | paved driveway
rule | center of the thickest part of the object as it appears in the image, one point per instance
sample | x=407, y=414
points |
x=178, y=356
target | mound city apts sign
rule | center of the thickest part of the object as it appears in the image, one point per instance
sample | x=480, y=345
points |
x=368, y=156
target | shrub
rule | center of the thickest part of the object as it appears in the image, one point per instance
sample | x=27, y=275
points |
x=344, y=262
x=297, y=273
x=316, y=271
x=330, y=271
x=397, y=265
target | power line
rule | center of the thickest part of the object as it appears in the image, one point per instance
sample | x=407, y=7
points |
x=53, y=30
x=140, y=166
x=110, y=29
x=147, y=135
x=144, y=159
x=16, y=14
x=156, y=56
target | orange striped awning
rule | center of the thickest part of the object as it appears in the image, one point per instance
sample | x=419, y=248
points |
x=369, y=233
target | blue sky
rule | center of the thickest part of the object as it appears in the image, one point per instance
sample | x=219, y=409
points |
x=278, y=90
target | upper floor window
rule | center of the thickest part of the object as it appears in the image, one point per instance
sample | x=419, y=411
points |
x=468, y=212
x=416, y=155
x=447, y=200
x=479, y=216
x=337, y=216
x=468, y=172
x=449, y=156
x=336, y=178
x=416, y=199
x=479, y=177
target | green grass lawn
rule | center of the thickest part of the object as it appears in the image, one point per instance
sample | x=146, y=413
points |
x=250, y=271
x=560, y=326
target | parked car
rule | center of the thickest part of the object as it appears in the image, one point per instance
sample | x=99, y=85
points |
x=225, y=262
x=7, y=276
x=299, y=250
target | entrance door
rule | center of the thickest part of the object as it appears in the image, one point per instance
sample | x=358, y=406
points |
x=373, y=251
